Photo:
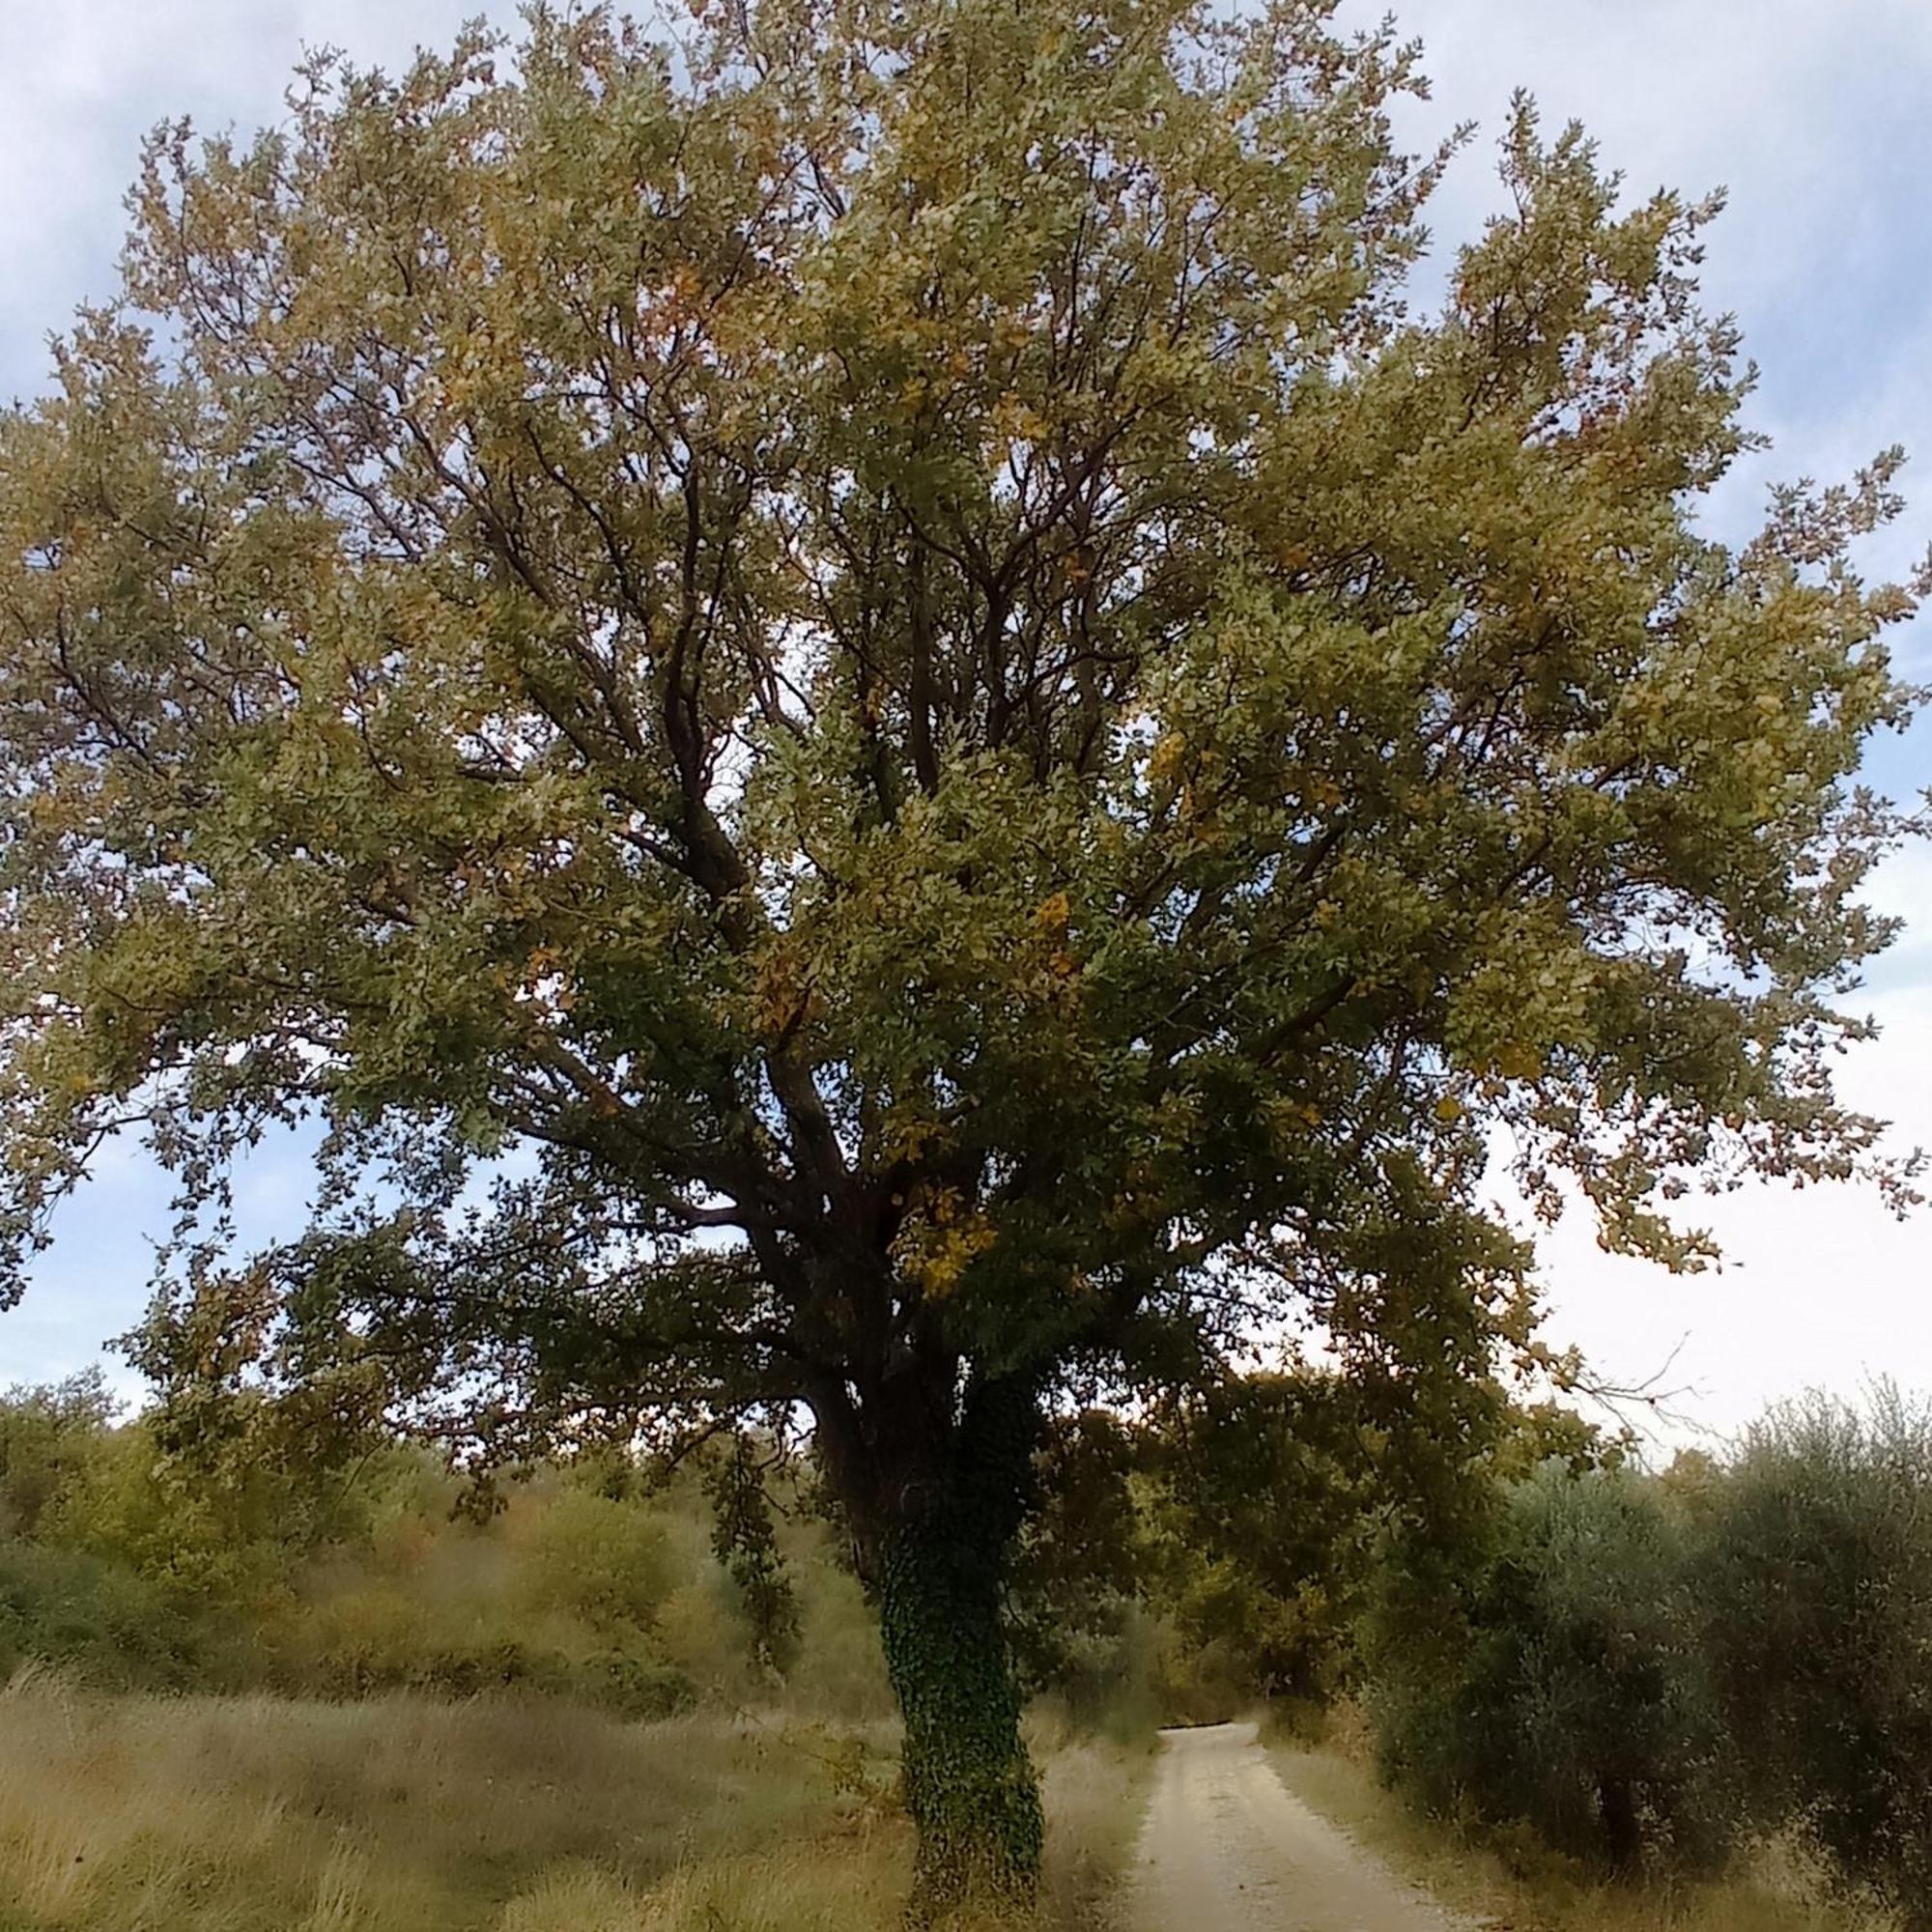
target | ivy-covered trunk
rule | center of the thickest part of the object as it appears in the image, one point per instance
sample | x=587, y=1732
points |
x=969, y=1783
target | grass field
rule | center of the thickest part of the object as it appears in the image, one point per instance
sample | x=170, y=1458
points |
x=1537, y=1891
x=258, y=1814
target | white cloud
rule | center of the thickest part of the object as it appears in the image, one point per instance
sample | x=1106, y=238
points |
x=82, y=85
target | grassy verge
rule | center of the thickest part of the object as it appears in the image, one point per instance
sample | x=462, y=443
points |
x=1095, y=1790
x=1525, y=1890
x=258, y=1815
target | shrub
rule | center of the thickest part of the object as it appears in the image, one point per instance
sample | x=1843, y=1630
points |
x=48, y=1437
x=92, y=1618
x=633, y=1686
x=1819, y=1578
x=594, y=1558
x=1581, y=1706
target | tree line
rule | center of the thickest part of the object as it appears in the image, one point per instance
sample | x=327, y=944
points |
x=1647, y=1671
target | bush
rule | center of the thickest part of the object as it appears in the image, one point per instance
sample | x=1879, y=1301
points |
x=1819, y=1578
x=592, y=1557
x=1582, y=1706
x=92, y=1618
x=48, y=1438
x=230, y=1555
x=634, y=1687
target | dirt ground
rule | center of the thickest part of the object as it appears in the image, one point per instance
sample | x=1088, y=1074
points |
x=1226, y=1848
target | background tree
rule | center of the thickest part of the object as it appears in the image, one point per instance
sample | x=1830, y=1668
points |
x=47, y=1437
x=872, y=667
x=1072, y=1594
x=1263, y=1506
x=1309, y=1531
x=1580, y=1700
x=1817, y=1573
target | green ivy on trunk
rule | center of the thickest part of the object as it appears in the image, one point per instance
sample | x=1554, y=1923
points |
x=969, y=1782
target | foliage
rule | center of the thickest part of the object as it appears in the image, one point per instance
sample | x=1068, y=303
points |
x=1510, y=1881
x=1582, y=1706
x=97, y=1618
x=1258, y=1536
x=1270, y=1500
x=252, y=1468
x=1307, y=1525
x=597, y=1559
x=145, y=1571
x=1080, y=1565
x=744, y=1541
x=47, y=1437
x=1818, y=1576
x=867, y=669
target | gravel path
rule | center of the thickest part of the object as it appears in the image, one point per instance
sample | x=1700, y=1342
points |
x=1226, y=1848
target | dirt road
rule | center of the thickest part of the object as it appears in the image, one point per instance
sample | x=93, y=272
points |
x=1226, y=1848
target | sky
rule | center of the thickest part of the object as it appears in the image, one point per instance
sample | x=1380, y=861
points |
x=1809, y=112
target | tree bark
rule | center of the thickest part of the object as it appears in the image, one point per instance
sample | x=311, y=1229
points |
x=968, y=1781
x=1623, y=1836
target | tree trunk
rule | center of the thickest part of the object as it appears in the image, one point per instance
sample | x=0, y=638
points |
x=1623, y=1838
x=969, y=1783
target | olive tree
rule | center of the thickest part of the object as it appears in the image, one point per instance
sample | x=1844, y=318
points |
x=1817, y=1580
x=1580, y=1701
x=875, y=727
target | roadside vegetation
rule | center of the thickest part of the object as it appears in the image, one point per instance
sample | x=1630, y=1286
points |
x=340, y=1690
x=1511, y=1879
x=1660, y=1676
x=1584, y=1694
x=344, y=1690
x=395, y=1814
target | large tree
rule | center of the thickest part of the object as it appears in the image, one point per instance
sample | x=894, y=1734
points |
x=869, y=661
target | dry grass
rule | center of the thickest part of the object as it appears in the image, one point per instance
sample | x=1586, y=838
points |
x=1536, y=1892
x=258, y=1814
x=1095, y=1791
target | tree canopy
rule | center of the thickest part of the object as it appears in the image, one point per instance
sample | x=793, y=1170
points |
x=868, y=668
